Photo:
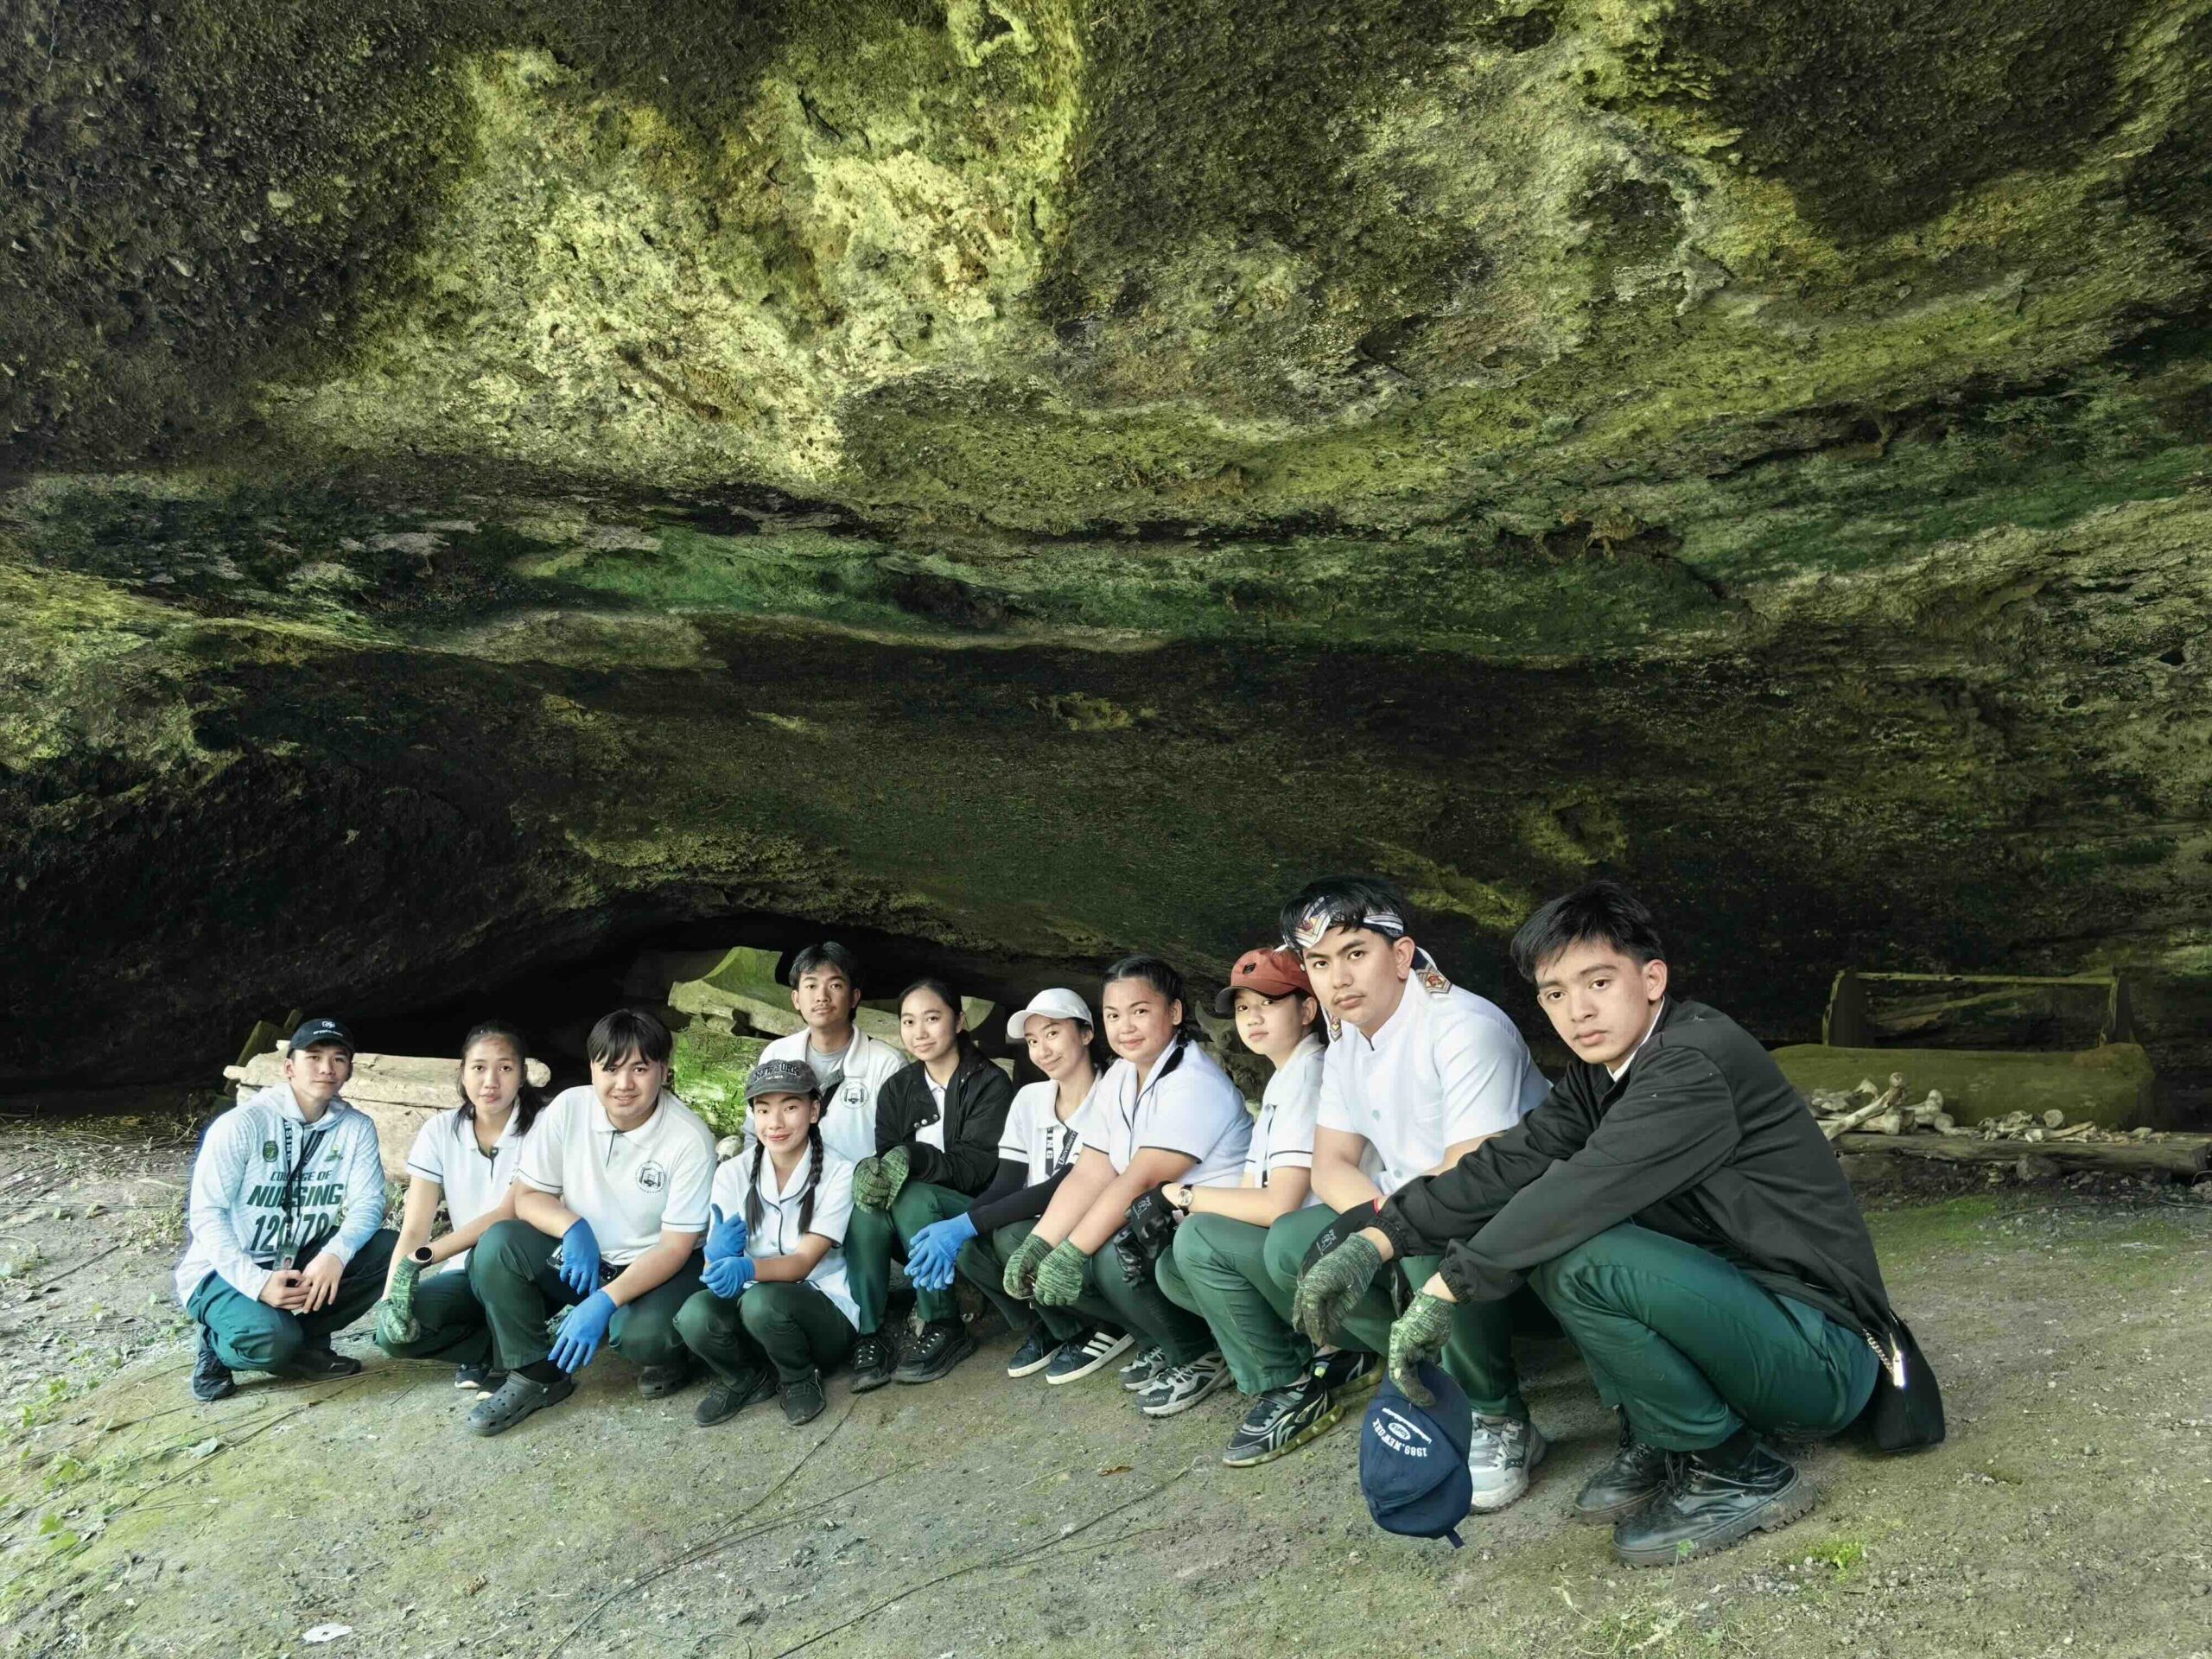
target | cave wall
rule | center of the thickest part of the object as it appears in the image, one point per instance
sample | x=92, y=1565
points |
x=1049, y=477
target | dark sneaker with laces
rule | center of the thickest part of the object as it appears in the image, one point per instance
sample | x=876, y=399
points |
x=211, y=1378
x=1632, y=1479
x=318, y=1364
x=1137, y=1376
x=1035, y=1353
x=518, y=1396
x=1711, y=1500
x=1178, y=1387
x=1347, y=1374
x=658, y=1382
x=1280, y=1420
x=1079, y=1356
x=725, y=1399
x=941, y=1345
x=803, y=1400
x=875, y=1363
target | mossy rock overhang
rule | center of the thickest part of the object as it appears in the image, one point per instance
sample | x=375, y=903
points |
x=483, y=480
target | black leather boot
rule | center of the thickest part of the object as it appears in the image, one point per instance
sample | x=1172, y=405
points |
x=1627, y=1483
x=1711, y=1500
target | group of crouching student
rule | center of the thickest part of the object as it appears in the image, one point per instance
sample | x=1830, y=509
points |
x=1411, y=1197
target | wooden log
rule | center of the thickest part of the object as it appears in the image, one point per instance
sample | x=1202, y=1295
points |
x=2181, y=1155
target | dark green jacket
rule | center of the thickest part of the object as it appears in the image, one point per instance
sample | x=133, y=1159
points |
x=975, y=1104
x=1705, y=1141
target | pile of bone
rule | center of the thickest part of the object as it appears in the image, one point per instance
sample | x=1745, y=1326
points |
x=1880, y=1111
x=2051, y=1125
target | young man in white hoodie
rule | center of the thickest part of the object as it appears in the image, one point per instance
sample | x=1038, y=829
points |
x=850, y=1066
x=286, y=1243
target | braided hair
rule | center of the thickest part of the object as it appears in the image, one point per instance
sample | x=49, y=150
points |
x=813, y=1180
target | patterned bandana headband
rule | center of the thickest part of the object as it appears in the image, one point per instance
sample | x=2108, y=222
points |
x=1323, y=914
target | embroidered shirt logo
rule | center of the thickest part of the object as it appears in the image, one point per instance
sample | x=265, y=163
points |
x=651, y=1178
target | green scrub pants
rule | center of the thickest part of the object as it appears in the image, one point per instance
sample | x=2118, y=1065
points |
x=872, y=1236
x=1135, y=1302
x=1219, y=1270
x=511, y=1272
x=1478, y=1354
x=983, y=1261
x=249, y=1335
x=1693, y=1349
x=452, y=1321
x=791, y=1329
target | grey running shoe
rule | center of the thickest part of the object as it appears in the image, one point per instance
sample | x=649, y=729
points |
x=941, y=1345
x=1137, y=1375
x=1280, y=1420
x=1711, y=1501
x=1180, y=1387
x=1499, y=1457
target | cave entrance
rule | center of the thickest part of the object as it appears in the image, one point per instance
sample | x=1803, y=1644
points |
x=555, y=1000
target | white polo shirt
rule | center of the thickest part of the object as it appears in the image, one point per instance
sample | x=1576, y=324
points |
x=445, y=1151
x=628, y=1186
x=1194, y=1110
x=779, y=1233
x=1447, y=1066
x=854, y=1079
x=1034, y=1133
x=1283, y=1134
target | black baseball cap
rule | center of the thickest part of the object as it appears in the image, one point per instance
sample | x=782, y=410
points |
x=781, y=1077
x=321, y=1031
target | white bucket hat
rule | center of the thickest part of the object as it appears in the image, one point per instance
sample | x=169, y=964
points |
x=1055, y=1004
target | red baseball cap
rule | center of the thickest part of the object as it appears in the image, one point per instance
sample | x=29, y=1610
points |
x=1272, y=973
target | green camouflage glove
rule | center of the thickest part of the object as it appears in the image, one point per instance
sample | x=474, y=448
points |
x=1331, y=1288
x=395, y=1314
x=1059, y=1277
x=876, y=1181
x=1021, y=1266
x=1420, y=1334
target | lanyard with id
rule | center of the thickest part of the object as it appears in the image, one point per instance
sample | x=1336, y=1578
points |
x=289, y=1244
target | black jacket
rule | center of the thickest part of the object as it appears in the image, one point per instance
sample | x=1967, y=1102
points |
x=976, y=1105
x=1705, y=1141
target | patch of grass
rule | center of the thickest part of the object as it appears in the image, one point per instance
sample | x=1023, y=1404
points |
x=1843, y=1554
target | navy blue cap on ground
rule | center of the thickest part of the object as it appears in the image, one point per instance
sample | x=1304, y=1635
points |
x=1413, y=1459
x=321, y=1031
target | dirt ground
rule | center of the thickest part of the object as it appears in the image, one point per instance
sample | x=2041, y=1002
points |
x=2070, y=1512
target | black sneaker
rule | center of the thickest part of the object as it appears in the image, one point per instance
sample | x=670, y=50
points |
x=874, y=1362
x=1280, y=1420
x=658, y=1382
x=1035, y=1353
x=1082, y=1354
x=804, y=1400
x=518, y=1396
x=318, y=1364
x=1137, y=1376
x=486, y=1377
x=1711, y=1500
x=1347, y=1374
x=724, y=1399
x=211, y=1378
x=1632, y=1479
x=943, y=1345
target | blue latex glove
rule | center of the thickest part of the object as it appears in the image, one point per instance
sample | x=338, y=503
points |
x=580, y=1258
x=725, y=1239
x=932, y=1252
x=728, y=1277
x=582, y=1331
